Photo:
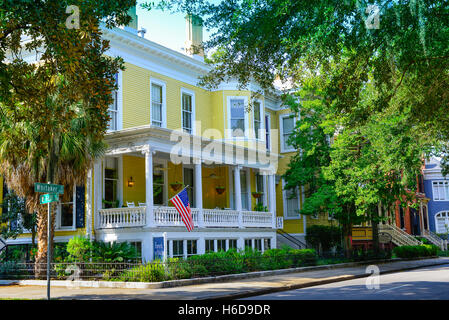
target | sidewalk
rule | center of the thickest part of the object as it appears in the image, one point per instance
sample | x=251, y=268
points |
x=234, y=289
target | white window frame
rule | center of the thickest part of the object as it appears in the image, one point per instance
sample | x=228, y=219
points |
x=445, y=187
x=246, y=120
x=164, y=172
x=262, y=121
x=193, y=113
x=284, y=201
x=119, y=110
x=59, y=214
x=267, y=131
x=446, y=219
x=164, y=101
x=119, y=179
x=281, y=126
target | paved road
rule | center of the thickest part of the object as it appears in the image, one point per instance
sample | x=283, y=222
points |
x=430, y=283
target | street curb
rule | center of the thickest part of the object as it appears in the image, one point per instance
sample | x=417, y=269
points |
x=195, y=281
x=258, y=292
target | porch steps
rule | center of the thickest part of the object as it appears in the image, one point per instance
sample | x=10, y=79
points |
x=398, y=236
x=434, y=239
x=285, y=238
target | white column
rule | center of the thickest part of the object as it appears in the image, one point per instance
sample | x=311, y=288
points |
x=89, y=201
x=272, y=197
x=265, y=190
x=149, y=187
x=238, y=194
x=199, y=193
x=248, y=188
x=98, y=193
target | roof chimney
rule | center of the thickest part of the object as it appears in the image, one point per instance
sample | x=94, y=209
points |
x=194, y=36
x=132, y=25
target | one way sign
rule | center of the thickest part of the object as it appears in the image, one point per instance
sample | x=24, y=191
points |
x=2, y=244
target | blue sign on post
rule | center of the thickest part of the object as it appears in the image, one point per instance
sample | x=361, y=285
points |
x=158, y=248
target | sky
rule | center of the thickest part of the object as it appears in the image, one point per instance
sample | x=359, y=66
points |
x=163, y=27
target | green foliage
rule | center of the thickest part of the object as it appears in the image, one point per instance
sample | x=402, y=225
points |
x=8, y=268
x=79, y=249
x=260, y=207
x=327, y=236
x=15, y=218
x=416, y=251
x=113, y=252
x=150, y=272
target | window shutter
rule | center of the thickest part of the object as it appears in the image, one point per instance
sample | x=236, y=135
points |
x=80, y=205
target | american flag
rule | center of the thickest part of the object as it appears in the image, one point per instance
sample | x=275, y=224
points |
x=182, y=205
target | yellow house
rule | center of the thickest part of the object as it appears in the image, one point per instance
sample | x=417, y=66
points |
x=226, y=146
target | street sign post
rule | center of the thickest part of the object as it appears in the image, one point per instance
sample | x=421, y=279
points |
x=48, y=188
x=48, y=198
x=52, y=194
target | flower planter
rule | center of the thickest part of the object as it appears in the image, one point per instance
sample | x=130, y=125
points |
x=257, y=195
x=175, y=186
x=220, y=190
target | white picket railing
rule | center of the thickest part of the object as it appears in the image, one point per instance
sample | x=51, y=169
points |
x=257, y=219
x=121, y=217
x=168, y=216
x=220, y=218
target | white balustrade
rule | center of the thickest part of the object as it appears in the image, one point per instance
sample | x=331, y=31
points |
x=121, y=217
x=220, y=218
x=257, y=219
x=169, y=216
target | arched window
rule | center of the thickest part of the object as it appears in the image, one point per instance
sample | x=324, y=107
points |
x=442, y=222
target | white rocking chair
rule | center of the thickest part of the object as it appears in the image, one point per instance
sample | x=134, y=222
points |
x=130, y=204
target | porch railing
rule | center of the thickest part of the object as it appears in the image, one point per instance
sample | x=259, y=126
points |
x=121, y=217
x=168, y=216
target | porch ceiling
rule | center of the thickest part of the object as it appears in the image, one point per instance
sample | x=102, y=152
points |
x=134, y=141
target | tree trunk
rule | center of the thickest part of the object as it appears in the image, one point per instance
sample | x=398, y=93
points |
x=347, y=233
x=40, y=268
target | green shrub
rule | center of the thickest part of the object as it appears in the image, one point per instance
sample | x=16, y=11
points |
x=416, y=251
x=9, y=268
x=304, y=257
x=178, y=269
x=151, y=272
x=278, y=259
x=327, y=236
x=252, y=260
x=113, y=252
x=79, y=249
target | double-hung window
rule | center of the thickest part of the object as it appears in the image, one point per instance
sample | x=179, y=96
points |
x=187, y=101
x=440, y=190
x=287, y=127
x=113, y=109
x=267, y=132
x=291, y=203
x=157, y=103
x=257, y=119
x=67, y=214
x=237, y=117
x=111, y=182
x=260, y=187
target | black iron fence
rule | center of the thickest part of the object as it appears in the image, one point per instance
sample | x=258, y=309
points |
x=172, y=269
x=212, y=264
